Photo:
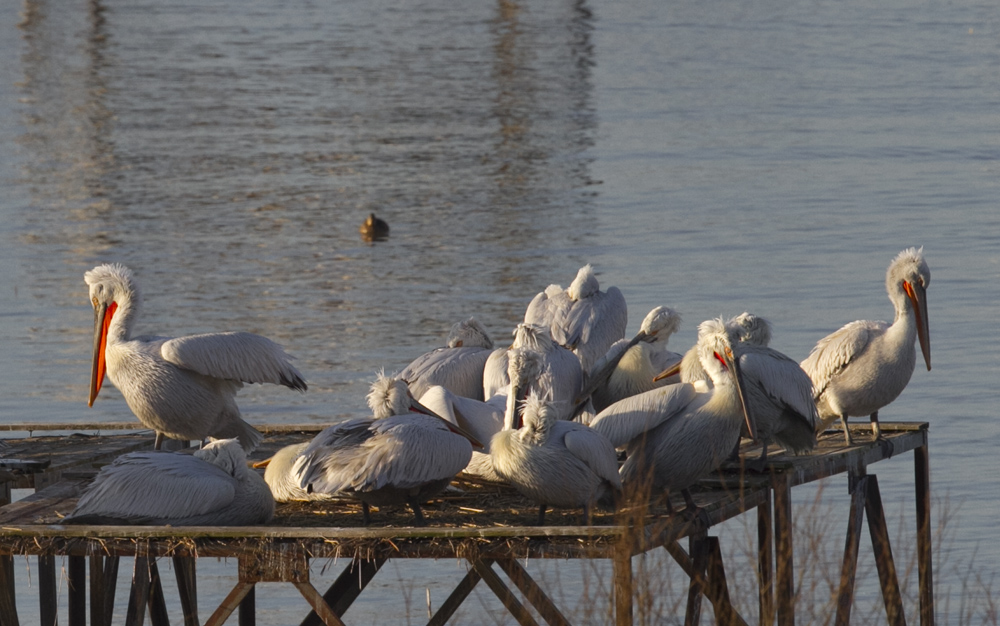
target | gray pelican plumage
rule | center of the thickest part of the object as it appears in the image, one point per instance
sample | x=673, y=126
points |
x=865, y=365
x=779, y=393
x=582, y=317
x=283, y=479
x=560, y=378
x=548, y=459
x=212, y=487
x=457, y=367
x=398, y=456
x=676, y=435
x=481, y=419
x=183, y=387
x=634, y=364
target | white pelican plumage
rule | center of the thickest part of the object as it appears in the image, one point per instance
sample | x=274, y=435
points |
x=185, y=387
x=457, y=367
x=674, y=435
x=560, y=378
x=212, y=487
x=637, y=362
x=480, y=419
x=865, y=365
x=582, y=318
x=396, y=457
x=545, y=457
x=283, y=479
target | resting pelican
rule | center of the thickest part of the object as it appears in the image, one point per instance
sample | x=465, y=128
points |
x=545, y=457
x=459, y=367
x=212, y=487
x=582, y=318
x=283, y=479
x=637, y=362
x=865, y=365
x=561, y=377
x=480, y=419
x=779, y=393
x=394, y=458
x=675, y=436
x=183, y=388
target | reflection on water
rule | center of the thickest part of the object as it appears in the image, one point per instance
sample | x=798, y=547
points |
x=229, y=163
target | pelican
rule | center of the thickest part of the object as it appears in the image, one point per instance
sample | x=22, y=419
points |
x=779, y=392
x=561, y=376
x=545, y=457
x=212, y=487
x=676, y=435
x=634, y=364
x=282, y=478
x=394, y=458
x=480, y=419
x=185, y=387
x=582, y=318
x=865, y=365
x=458, y=367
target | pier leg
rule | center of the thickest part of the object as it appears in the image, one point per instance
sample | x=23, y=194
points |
x=8, y=605
x=765, y=562
x=883, y=555
x=47, y=596
x=527, y=585
x=247, y=614
x=139, y=596
x=76, y=573
x=845, y=596
x=97, y=593
x=922, y=479
x=509, y=600
x=187, y=588
x=698, y=549
x=157, y=603
x=318, y=604
x=456, y=598
x=716, y=590
x=348, y=586
x=229, y=604
x=623, y=584
x=110, y=587
x=784, y=570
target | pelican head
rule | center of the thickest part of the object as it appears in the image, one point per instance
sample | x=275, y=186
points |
x=112, y=291
x=906, y=282
x=584, y=285
x=660, y=323
x=715, y=351
x=225, y=453
x=751, y=329
x=391, y=396
x=469, y=334
x=523, y=368
x=532, y=337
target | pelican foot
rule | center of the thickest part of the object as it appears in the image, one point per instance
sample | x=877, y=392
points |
x=418, y=514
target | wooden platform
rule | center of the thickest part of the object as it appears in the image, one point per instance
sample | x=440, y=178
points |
x=486, y=524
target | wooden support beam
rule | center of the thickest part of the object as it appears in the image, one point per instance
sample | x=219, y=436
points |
x=509, y=600
x=48, y=599
x=698, y=549
x=348, y=586
x=8, y=603
x=157, y=602
x=110, y=587
x=97, y=594
x=455, y=599
x=187, y=588
x=922, y=480
x=765, y=562
x=246, y=614
x=76, y=575
x=717, y=590
x=139, y=596
x=884, y=562
x=845, y=597
x=527, y=585
x=318, y=604
x=624, y=588
x=783, y=555
x=229, y=604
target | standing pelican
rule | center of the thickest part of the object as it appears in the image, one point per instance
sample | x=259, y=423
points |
x=637, y=362
x=545, y=457
x=865, y=365
x=212, y=487
x=458, y=367
x=779, y=392
x=675, y=436
x=185, y=387
x=561, y=377
x=394, y=458
x=582, y=318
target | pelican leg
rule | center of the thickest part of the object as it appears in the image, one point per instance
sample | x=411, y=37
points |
x=759, y=465
x=418, y=514
x=847, y=431
x=586, y=515
x=693, y=513
x=366, y=514
x=541, y=515
x=876, y=428
x=158, y=442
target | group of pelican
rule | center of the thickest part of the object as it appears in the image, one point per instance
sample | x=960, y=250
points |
x=548, y=414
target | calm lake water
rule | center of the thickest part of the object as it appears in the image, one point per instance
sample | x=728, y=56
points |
x=714, y=156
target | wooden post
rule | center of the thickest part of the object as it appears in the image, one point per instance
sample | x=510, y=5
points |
x=698, y=549
x=883, y=555
x=47, y=597
x=8, y=603
x=623, y=583
x=76, y=574
x=229, y=604
x=110, y=587
x=922, y=479
x=157, y=603
x=451, y=604
x=187, y=588
x=318, y=604
x=97, y=594
x=139, y=596
x=247, y=614
x=542, y=603
x=785, y=569
x=845, y=598
x=765, y=562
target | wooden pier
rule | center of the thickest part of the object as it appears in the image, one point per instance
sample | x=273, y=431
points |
x=487, y=525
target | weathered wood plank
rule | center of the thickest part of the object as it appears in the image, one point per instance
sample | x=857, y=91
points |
x=925, y=570
x=845, y=596
x=509, y=600
x=884, y=562
x=76, y=578
x=47, y=599
x=784, y=570
x=8, y=603
x=41, y=503
x=538, y=598
x=347, y=587
x=187, y=588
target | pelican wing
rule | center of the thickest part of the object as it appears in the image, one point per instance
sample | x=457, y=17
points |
x=781, y=379
x=543, y=306
x=245, y=357
x=630, y=418
x=833, y=352
x=495, y=377
x=592, y=324
x=156, y=485
x=460, y=370
x=592, y=448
